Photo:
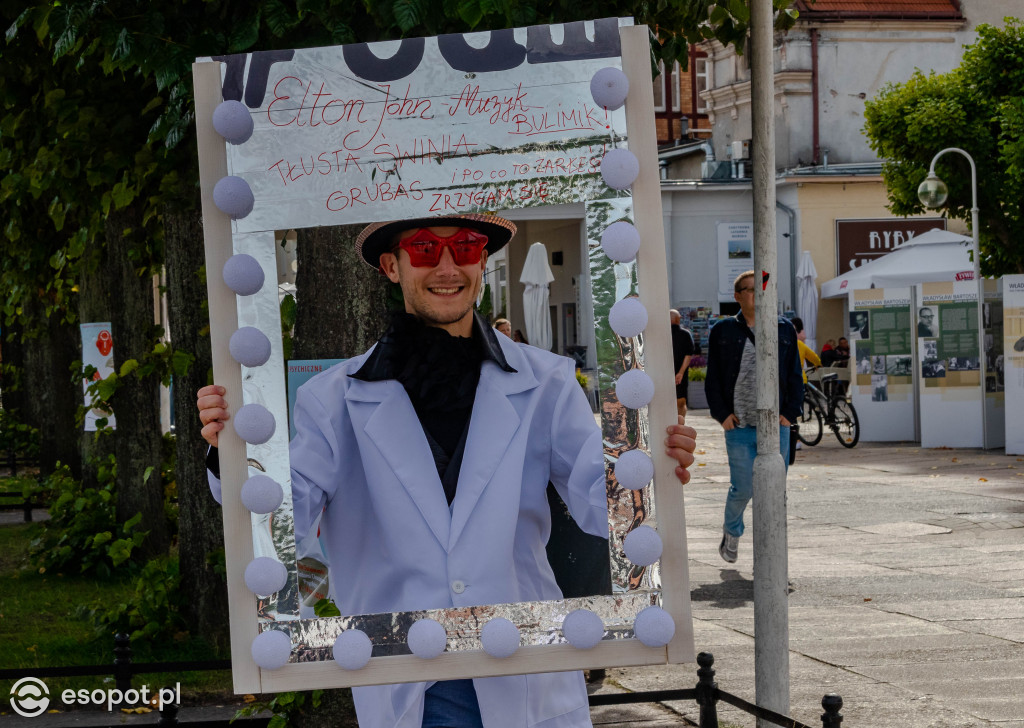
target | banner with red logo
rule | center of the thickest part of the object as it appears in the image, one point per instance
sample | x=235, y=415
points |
x=98, y=353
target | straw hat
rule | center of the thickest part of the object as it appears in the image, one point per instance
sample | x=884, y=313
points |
x=379, y=237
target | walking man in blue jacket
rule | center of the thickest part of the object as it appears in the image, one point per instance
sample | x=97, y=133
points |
x=732, y=398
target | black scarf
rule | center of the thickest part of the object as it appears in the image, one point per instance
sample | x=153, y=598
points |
x=440, y=373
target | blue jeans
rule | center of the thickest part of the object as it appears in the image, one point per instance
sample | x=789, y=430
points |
x=451, y=704
x=741, y=446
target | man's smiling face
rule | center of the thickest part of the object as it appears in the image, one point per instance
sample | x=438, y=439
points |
x=441, y=296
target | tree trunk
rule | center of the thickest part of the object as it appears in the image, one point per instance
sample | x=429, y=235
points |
x=51, y=397
x=138, y=440
x=342, y=303
x=11, y=385
x=342, y=310
x=94, y=306
x=200, y=525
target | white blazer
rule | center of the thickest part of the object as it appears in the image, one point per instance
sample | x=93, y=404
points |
x=394, y=544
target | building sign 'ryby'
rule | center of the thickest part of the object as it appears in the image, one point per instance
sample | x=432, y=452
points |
x=861, y=241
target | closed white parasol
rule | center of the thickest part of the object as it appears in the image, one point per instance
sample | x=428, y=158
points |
x=536, y=276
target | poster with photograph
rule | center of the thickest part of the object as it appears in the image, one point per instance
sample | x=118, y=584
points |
x=864, y=363
x=860, y=325
x=994, y=355
x=884, y=392
x=735, y=255
x=950, y=354
x=953, y=410
x=300, y=371
x=879, y=388
x=898, y=366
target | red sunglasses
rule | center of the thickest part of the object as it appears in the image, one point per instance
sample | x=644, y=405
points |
x=425, y=248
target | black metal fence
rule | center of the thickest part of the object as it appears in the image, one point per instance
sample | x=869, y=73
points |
x=20, y=503
x=12, y=461
x=706, y=693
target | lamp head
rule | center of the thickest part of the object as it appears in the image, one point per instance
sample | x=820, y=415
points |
x=933, y=191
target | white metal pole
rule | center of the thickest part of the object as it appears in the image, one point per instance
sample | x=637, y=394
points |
x=771, y=577
x=977, y=279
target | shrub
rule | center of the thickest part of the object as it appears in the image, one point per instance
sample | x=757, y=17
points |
x=288, y=709
x=17, y=437
x=82, y=533
x=154, y=611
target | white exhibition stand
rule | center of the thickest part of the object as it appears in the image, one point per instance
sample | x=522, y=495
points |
x=949, y=366
x=1009, y=364
x=882, y=380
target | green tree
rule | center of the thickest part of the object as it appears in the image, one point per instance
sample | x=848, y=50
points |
x=978, y=107
x=104, y=120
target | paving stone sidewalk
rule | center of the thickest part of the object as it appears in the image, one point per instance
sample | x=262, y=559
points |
x=907, y=587
x=907, y=592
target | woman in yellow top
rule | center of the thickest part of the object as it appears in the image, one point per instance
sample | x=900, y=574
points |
x=806, y=353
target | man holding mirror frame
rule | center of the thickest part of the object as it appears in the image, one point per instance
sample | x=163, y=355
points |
x=369, y=429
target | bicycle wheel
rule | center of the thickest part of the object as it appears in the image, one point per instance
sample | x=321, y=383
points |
x=845, y=423
x=810, y=424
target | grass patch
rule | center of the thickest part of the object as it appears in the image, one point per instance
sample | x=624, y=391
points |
x=40, y=627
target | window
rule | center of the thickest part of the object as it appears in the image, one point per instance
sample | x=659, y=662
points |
x=674, y=80
x=702, y=82
x=660, y=90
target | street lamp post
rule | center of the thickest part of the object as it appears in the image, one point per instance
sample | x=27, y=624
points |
x=933, y=193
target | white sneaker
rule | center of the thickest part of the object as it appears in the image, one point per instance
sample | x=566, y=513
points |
x=729, y=548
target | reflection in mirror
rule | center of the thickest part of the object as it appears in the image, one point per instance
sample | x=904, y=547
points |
x=600, y=282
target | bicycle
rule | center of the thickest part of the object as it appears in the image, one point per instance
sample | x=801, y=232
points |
x=829, y=407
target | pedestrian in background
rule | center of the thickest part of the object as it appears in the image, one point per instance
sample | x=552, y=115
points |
x=732, y=398
x=682, y=353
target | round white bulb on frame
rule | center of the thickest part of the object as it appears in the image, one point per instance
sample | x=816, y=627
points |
x=353, y=649
x=500, y=637
x=427, y=639
x=233, y=196
x=634, y=469
x=634, y=389
x=654, y=627
x=621, y=241
x=249, y=346
x=243, y=274
x=609, y=87
x=619, y=168
x=271, y=649
x=233, y=121
x=642, y=546
x=254, y=423
x=265, y=576
x=628, y=317
x=582, y=629
x=262, y=494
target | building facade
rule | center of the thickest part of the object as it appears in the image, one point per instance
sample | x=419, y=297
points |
x=840, y=54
